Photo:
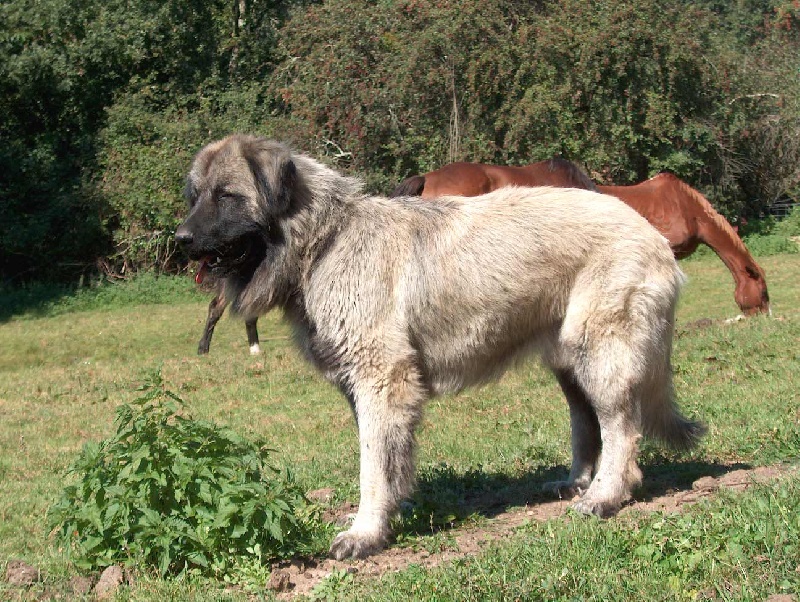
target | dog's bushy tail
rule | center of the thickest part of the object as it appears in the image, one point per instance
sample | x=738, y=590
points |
x=409, y=187
x=661, y=417
x=672, y=427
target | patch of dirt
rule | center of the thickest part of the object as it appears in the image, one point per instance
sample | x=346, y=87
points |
x=300, y=577
x=704, y=323
x=700, y=324
x=22, y=574
x=110, y=581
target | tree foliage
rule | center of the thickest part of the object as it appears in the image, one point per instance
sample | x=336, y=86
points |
x=70, y=72
x=408, y=85
x=103, y=104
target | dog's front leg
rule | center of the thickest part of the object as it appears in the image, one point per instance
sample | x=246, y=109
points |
x=387, y=414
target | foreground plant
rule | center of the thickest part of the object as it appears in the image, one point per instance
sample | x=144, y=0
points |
x=178, y=494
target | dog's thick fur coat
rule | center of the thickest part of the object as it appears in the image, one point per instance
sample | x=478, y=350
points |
x=399, y=300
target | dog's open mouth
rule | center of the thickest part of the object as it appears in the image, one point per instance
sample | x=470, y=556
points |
x=229, y=262
x=206, y=264
x=217, y=265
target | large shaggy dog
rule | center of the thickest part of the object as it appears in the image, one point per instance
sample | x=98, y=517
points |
x=399, y=300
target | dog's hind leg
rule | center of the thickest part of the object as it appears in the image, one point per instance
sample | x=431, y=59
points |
x=609, y=372
x=387, y=408
x=610, y=345
x=585, y=439
x=617, y=473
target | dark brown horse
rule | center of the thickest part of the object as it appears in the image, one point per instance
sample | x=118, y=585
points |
x=682, y=215
x=215, y=310
x=686, y=219
x=472, y=179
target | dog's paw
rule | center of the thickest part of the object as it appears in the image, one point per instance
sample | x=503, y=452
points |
x=564, y=490
x=597, y=508
x=356, y=544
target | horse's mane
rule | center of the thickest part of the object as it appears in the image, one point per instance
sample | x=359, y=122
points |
x=708, y=209
x=575, y=173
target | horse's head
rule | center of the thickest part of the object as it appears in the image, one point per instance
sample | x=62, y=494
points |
x=751, y=291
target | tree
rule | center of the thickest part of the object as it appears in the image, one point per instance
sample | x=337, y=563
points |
x=387, y=88
x=62, y=66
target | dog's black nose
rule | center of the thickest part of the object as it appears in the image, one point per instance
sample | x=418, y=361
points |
x=183, y=236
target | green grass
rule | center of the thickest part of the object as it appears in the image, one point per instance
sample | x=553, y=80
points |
x=65, y=367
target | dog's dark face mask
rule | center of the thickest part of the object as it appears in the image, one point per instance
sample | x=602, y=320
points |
x=235, y=193
x=222, y=235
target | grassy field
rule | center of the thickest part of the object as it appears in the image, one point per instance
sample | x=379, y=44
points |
x=66, y=365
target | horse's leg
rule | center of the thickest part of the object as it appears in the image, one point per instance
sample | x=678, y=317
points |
x=215, y=311
x=252, y=336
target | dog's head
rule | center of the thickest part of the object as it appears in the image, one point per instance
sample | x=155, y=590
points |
x=237, y=190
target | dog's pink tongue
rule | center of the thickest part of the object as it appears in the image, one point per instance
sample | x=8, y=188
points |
x=202, y=270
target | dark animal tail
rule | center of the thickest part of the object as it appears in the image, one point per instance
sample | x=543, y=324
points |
x=409, y=187
x=575, y=176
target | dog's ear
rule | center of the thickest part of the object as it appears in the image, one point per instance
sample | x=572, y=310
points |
x=275, y=176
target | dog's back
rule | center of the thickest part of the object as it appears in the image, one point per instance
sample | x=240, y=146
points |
x=476, y=282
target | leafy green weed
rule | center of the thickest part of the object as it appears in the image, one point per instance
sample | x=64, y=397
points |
x=178, y=494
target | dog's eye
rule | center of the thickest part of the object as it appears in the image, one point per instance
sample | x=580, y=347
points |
x=227, y=198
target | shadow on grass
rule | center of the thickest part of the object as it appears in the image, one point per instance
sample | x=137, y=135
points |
x=445, y=498
x=41, y=299
x=33, y=300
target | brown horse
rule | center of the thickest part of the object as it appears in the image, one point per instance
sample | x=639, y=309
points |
x=472, y=179
x=686, y=219
x=682, y=215
x=678, y=211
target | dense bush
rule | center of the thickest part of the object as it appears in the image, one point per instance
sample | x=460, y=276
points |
x=627, y=89
x=407, y=86
x=66, y=69
x=769, y=236
x=145, y=150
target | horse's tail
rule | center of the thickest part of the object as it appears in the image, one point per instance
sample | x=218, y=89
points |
x=575, y=176
x=409, y=187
